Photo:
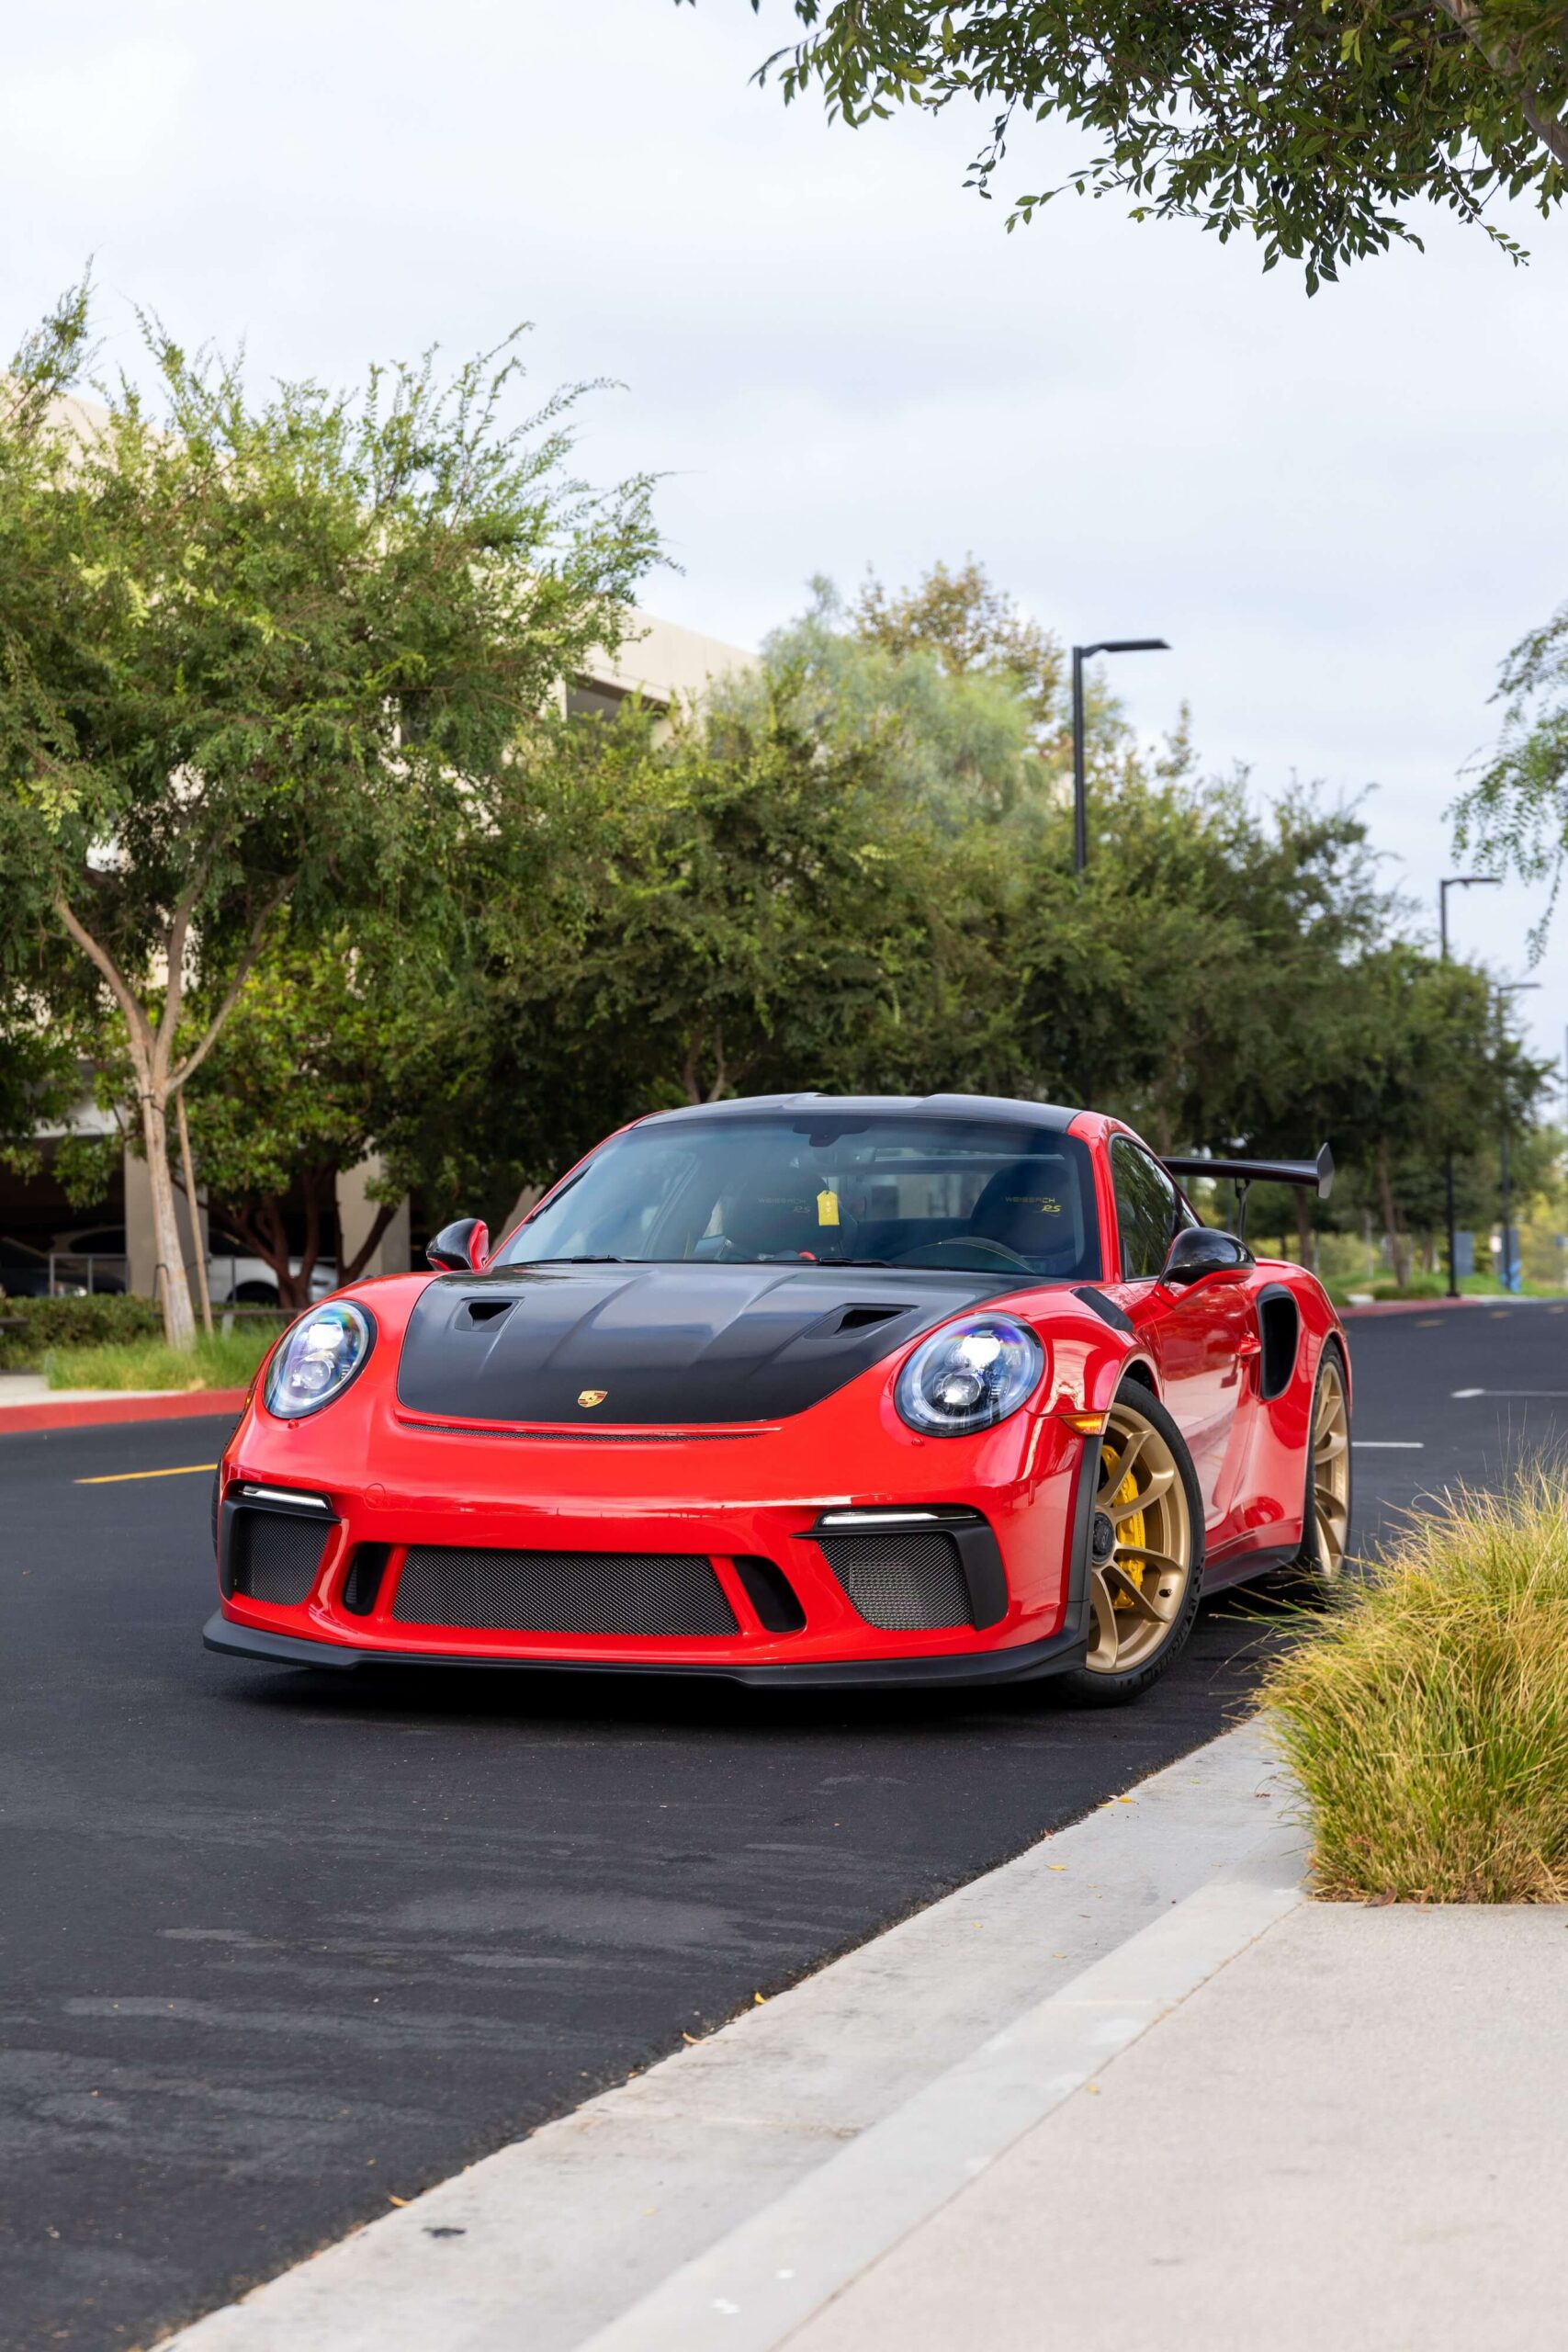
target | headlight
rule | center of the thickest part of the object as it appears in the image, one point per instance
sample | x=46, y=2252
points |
x=970, y=1376
x=316, y=1361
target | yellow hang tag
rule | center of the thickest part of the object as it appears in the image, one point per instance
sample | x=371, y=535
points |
x=826, y=1208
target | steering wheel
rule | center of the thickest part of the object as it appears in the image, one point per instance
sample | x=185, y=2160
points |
x=997, y=1249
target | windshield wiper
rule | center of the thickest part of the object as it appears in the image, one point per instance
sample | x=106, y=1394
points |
x=591, y=1257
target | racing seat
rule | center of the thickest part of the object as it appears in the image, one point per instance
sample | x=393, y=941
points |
x=1032, y=1209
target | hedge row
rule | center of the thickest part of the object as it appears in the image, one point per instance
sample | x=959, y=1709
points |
x=40, y=1324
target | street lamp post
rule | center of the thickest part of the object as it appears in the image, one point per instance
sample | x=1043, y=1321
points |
x=1082, y=653
x=1509, y=988
x=1454, y=882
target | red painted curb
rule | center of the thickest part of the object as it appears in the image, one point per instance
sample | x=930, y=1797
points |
x=94, y=1412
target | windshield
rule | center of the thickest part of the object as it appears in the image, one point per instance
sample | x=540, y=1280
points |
x=978, y=1196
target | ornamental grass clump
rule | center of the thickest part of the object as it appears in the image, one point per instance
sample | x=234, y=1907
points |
x=1427, y=1718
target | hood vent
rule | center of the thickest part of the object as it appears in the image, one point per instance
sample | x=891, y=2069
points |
x=862, y=1319
x=481, y=1314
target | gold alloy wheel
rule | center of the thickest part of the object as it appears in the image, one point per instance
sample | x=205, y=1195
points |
x=1331, y=1469
x=1141, y=1545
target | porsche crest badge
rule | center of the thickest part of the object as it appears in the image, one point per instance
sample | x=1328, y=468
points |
x=591, y=1396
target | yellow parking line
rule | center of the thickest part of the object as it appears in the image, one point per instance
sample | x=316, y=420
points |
x=118, y=1478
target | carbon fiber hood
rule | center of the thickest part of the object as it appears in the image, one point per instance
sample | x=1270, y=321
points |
x=666, y=1344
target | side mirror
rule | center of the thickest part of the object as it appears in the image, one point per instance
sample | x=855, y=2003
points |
x=1198, y=1250
x=461, y=1249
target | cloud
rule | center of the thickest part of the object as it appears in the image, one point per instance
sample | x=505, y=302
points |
x=93, y=118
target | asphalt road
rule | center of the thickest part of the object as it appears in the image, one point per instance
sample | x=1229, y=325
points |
x=275, y=1949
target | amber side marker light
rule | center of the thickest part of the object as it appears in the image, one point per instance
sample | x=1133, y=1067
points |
x=1086, y=1424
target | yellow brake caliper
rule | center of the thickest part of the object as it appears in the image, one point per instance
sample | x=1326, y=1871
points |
x=1131, y=1530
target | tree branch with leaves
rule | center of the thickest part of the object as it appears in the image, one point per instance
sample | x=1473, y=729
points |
x=1317, y=127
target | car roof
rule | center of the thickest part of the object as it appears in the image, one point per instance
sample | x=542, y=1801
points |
x=1050, y=1116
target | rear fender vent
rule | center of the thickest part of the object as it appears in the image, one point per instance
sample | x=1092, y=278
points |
x=1280, y=1324
x=771, y=1594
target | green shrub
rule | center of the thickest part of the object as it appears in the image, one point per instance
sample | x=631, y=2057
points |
x=1426, y=1717
x=101, y=1317
x=226, y=1361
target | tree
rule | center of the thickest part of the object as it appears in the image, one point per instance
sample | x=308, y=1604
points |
x=249, y=649
x=1317, y=125
x=975, y=630
x=332, y=1051
x=1515, y=813
x=1427, y=1070
x=952, y=740
x=748, y=906
x=40, y=1075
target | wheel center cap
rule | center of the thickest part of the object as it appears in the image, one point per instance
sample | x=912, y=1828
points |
x=1102, y=1539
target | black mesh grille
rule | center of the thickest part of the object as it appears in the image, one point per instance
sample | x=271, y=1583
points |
x=562, y=1592
x=275, y=1557
x=907, y=1584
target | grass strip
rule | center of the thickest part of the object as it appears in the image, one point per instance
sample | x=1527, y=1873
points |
x=226, y=1361
x=1426, y=1716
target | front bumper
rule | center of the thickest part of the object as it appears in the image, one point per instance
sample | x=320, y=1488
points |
x=385, y=1487
x=1028, y=1662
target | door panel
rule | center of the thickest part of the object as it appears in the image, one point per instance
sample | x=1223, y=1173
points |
x=1202, y=1338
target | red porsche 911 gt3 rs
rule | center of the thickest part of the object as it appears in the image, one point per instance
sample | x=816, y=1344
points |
x=807, y=1388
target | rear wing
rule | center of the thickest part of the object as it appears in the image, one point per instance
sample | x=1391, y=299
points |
x=1312, y=1175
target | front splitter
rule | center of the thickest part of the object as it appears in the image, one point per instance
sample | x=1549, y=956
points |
x=1030, y=1662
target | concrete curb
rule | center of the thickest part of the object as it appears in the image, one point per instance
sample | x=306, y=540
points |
x=770, y=2277
x=103, y=1411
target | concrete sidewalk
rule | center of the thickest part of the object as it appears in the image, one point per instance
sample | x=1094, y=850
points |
x=1351, y=2135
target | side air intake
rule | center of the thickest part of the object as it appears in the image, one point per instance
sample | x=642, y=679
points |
x=905, y=1584
x=272, y=1556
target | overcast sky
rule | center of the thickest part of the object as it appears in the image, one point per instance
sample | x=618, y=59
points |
x=1341, y=513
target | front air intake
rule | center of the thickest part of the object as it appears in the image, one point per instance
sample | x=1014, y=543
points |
x=272, y=1556
x=904, y=1583
x=656, y=1593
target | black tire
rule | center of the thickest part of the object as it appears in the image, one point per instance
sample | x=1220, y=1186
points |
x=1308, y=1577
x=1100, y=1687
x=256, y=1294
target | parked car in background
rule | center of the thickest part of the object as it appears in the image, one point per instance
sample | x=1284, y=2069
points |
x=29, y=1272
x=95, y=1258
x=24, y=1273
x=237, y=1279
x=91, y=1258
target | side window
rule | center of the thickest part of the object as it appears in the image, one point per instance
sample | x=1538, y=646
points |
x=1148, y=1209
